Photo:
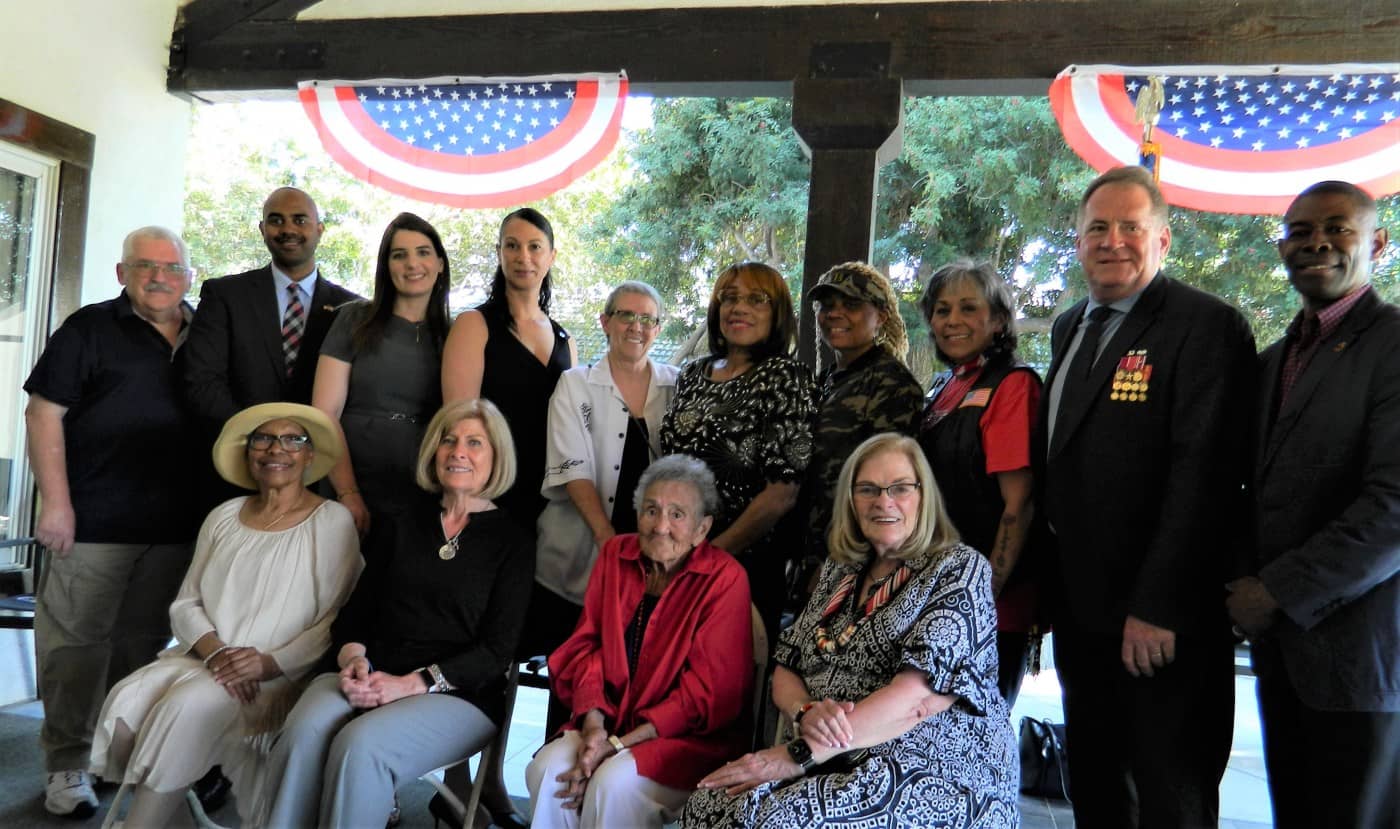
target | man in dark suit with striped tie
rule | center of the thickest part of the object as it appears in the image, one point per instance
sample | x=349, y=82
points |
x=1144, y=452
x=256, y=335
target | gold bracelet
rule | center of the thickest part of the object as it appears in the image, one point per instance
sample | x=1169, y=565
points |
x=340, y=496
x=616, y=743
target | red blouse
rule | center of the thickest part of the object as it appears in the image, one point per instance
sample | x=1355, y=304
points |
x=694, y=680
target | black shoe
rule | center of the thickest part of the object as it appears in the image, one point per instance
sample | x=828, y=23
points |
x=212, y=790
x=442, y=812
x=507, y=818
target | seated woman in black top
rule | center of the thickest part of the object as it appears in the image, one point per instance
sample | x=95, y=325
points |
x=424, y=642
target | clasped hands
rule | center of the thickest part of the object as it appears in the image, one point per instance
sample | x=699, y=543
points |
x=827, y=729
x=594, y=749
x=241, y=670
x=367, y=688
x=824, y=726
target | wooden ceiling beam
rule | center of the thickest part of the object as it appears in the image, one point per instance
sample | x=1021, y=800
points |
x=203, y=20
x=965, y=47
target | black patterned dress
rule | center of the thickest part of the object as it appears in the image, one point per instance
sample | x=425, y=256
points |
x=958, y=768
x=752, y=430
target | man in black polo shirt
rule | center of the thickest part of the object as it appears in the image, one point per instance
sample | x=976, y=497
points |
x=111, y=450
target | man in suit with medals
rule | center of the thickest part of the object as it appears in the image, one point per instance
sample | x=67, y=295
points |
x=1321, y=605
x=1141, y=444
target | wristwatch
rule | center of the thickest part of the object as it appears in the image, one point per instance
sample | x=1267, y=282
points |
x=801, y=754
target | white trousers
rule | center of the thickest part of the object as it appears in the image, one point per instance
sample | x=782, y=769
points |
x=616, y=795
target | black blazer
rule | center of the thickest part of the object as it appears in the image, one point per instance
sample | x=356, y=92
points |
x=232, y=357
x=1327, y=515
x=1145, y=496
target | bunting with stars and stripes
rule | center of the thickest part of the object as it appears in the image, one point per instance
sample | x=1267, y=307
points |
x=1241, y=139
x=469, y=142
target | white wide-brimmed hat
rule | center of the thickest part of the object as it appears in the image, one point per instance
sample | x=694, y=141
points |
x=231, y=449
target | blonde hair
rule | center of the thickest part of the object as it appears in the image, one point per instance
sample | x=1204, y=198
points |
x=933, y=531
x=497, y=432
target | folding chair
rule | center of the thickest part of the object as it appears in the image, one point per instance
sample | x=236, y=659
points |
x=438, y=777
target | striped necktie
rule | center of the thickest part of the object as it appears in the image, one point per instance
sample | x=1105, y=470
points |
x=293, y=325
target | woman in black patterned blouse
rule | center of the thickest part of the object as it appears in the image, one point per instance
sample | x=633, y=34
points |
x=746, y=410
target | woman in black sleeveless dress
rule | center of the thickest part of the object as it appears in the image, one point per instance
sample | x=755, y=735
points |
x=509, y=351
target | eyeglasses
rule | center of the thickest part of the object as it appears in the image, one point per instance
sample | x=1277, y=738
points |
x=168, y=268
x=262, y=442
x=757, y=299
x=646, y=321
x=827, y=304
x=869, y=492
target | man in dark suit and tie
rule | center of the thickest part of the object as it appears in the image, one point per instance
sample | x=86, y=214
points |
x=1322, y=607
x=256, y=335
x=1143, y=468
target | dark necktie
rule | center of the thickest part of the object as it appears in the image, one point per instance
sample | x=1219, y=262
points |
x=1076, y=379
x=293, y=324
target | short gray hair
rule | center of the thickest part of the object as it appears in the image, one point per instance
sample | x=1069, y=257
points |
x=993, y=289
x=1139, y=176
x=633, y=286
x=682, y=469
x=162, y=234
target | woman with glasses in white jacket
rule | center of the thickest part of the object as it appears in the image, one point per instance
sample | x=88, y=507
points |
x=604, y=427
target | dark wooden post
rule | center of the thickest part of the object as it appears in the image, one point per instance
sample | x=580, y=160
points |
x=850, y=119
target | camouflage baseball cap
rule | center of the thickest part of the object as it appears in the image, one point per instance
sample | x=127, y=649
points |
x=853, y=279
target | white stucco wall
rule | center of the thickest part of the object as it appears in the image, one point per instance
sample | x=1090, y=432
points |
x=99, y=65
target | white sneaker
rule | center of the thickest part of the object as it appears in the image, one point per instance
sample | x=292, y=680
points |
x=69, y=793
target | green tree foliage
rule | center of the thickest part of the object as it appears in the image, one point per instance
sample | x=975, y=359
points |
x=240, y=153
x=988, y=178
x=714, y=182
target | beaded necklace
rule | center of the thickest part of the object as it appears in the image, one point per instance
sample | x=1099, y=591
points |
x=883, y=590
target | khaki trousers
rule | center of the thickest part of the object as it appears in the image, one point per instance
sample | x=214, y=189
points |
x=103, y=611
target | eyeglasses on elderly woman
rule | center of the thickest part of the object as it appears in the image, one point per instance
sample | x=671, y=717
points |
x=262, y=441
x=902, y=489
x=646, y=321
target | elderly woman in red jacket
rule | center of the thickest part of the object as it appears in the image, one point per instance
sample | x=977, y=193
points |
x=658, y=673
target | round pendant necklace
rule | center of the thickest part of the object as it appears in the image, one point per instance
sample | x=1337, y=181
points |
x=448, y=551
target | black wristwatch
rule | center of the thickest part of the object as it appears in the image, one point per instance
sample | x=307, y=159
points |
x=801, y=754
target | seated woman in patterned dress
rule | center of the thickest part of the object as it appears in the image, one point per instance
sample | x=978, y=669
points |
x=890, y=674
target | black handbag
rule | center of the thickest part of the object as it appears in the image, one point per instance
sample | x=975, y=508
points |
x=1044, y=759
